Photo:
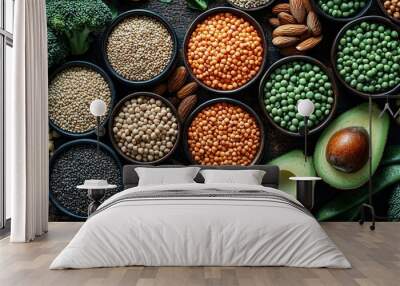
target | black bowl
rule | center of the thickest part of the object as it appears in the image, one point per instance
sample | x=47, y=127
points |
x=239, y=13
x=377, y=19
x=65, y=147
x=321, y=12
x=380, y=4
x=106, y=78
x=194, y=113
x=266, y=5
x=167, y=69
x=303, y=59
x=116, y=110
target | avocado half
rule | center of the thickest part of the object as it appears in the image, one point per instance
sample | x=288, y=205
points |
x=355, y=117
x=292, y=164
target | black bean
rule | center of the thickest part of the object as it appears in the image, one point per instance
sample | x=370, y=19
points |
x=73, y=167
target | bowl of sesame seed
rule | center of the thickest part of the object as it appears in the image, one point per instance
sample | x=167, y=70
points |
x=140, y=48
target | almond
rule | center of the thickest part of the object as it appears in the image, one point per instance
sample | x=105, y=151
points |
x=286, y=18
x=291, y=30
x=313, y=24
x=177, y=79
x=186, y=106
x=307, y=5
x=305, y=35
x=309, y=44
x=290, y=51
x=283, y=7
x=274, y=22
x=187, y=89
x=160, y=89
x=298, y=10
x=283, y=42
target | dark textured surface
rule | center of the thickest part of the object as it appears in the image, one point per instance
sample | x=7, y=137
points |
x=276, y=143
x=180, y=17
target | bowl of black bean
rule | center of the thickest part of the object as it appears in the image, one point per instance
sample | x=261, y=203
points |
x=73, y=163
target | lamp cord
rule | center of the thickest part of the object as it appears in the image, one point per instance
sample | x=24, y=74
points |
x=305, y=137
x=98, y=137
x=370, y=152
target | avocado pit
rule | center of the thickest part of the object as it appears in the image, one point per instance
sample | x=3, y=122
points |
x=347, y=149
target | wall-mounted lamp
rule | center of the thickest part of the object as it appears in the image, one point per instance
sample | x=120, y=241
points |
x=98, y=108
x=305, y=108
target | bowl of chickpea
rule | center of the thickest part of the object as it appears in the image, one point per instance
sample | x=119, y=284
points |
x=223, y=131
x=391, y=8
x=225, y=50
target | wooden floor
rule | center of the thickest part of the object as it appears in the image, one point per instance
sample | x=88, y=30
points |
x=375, y=257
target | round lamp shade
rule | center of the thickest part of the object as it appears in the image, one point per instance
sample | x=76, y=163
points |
x=98, y=107
x=305, y=107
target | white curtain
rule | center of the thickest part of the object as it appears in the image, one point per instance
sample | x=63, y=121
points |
x=27, y=124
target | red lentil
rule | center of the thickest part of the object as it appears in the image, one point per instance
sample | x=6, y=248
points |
x=225, y=51
x=224, y=134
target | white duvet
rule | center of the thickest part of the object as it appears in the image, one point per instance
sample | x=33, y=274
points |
x=200, y=231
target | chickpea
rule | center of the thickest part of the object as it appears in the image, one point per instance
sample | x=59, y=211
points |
x=140, y=135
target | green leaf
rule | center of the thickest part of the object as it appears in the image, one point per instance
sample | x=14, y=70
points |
x=347, y=200
x=350, y=215
x=165, y=1
x=201, y=5
x=391, y=155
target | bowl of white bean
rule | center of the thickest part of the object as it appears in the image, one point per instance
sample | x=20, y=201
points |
x=144, y=128
x=250, y=5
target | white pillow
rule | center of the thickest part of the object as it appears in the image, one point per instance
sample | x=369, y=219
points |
x=246, y=177
x=166, y=176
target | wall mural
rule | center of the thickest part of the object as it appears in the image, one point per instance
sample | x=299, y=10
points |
x=185, y=83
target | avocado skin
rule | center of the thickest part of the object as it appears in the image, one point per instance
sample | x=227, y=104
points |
x=355, y=117
x=292, y=164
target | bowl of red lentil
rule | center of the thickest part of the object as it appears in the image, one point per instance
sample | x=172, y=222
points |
x=223, y=131
x=225, y=50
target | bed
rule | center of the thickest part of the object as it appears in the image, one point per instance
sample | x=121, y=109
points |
x=198, y=224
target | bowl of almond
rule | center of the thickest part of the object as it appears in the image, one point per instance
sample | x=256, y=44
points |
x=296, y=27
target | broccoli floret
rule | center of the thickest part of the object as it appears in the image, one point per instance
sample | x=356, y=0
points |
x=76, y=20
x=57, y=50
x=394, y=204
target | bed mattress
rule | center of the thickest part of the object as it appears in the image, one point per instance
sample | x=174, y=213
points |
x=201, y=225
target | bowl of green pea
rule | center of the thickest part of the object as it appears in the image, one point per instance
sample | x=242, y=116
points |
x=291, y=79
x=341, y=10
x=366, y=56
